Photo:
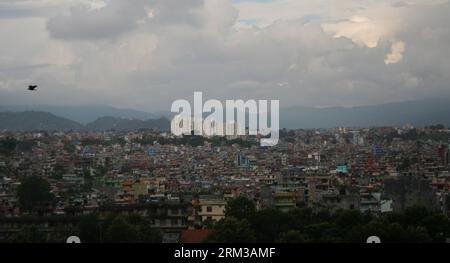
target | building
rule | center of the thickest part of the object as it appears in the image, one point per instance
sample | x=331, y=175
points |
x=208, y=210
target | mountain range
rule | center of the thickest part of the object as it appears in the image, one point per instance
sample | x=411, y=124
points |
x=31, y=121
x=83, y=114
x=99, y=118
x=418, y=113
x=45, y=121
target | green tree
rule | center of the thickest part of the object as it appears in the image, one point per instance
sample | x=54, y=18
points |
x=207, y=224
x=415, y=215
x=298, y=218
x=292, y=236
x=89, y=229
x=7, y=146
x=33, y=192
x=438, y=226
x=28, y=234
x=396, y=233
x=232, y=230
x=147, y=234
x=360, y=233
x=346, y=219
x=268, y=224
x=324, y=233
x=131, y=229
x=120, y=231
x=240, y=208
x=417, y=235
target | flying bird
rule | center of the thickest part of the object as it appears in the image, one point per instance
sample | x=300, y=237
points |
x=32, y=87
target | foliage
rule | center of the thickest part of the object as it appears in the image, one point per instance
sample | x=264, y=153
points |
x=90, y=229
x=117, y=229
x=232, y=230
x=413, y=225
x=292, y=236
x=34, y=192
x=8, y=145
x=240, y=208
x=28, y=234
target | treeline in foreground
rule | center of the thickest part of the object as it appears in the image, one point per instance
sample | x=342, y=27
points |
x=244, y=224
x=90, y=229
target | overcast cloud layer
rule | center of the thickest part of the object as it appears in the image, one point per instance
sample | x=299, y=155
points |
x=144, y=54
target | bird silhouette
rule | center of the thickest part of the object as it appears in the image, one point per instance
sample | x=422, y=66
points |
x=32, y=87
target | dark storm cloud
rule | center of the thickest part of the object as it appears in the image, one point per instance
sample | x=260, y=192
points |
x=146, y=54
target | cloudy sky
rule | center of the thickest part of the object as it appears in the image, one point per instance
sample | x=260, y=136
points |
x=144, y=54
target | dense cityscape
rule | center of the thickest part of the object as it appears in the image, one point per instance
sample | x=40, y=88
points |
x=224, y=130
x=322, y=185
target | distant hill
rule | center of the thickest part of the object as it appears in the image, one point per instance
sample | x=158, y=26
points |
x=419, y=113
x=32, y=121
x=121, y=124
x=44, y=121
x=83, y=114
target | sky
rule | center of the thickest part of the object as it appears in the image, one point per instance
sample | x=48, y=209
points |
x=145, y=54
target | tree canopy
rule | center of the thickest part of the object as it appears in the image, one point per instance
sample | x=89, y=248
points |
x=232, y=230
x=240, y=208
x=243, y=223
x=34, y=192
